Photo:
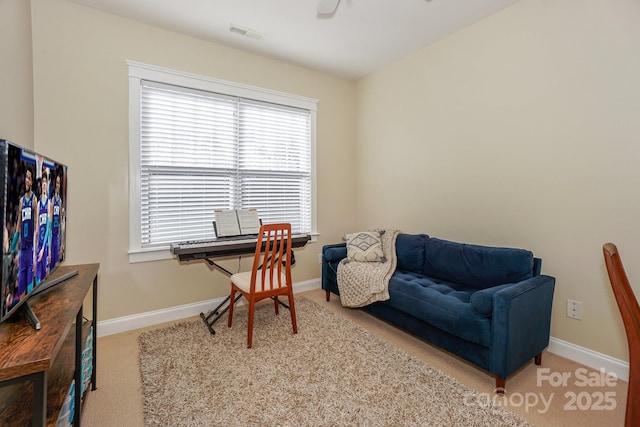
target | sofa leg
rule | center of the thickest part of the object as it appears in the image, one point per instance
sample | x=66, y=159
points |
x=500, y=383
x=538, y=359
x=328, y=295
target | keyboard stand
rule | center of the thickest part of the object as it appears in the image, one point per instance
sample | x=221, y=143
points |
x=209, y=318
x=217, y=313
x=218, y=266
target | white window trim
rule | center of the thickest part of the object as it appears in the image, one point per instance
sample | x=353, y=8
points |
x=139, y=71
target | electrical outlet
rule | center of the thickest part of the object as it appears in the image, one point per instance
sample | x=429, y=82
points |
x=320, y=258
x=574, y=309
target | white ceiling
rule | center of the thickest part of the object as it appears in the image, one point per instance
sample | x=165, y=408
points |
x=360, y=37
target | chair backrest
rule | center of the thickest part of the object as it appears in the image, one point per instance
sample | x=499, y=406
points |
x=272, y=259
x=630, y=313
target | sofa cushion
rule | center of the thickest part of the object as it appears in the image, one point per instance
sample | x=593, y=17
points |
x=482, y=300
x=364, y=246
x=443, y=305
x=476, y=266
x=410, y=251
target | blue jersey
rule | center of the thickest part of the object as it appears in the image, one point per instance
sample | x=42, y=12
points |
x=26, y=229
x=43, y=216
x=57, y=207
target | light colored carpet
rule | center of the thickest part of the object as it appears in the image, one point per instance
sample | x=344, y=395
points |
x=118, y=400
x=333, y=372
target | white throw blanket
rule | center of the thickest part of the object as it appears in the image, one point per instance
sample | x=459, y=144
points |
x=363, y=283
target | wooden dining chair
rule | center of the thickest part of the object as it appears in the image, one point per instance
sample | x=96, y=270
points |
x=630, y=312
x=270, y=276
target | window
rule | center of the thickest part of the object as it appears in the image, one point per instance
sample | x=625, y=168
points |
x=198, y=144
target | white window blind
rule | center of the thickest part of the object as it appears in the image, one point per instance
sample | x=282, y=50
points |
x=201, y=151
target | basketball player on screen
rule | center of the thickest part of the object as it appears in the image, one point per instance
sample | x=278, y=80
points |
x=25, y=227
x=43, y=214
x=57, y=214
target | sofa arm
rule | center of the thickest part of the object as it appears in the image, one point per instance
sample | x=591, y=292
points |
x=334, y=253
x=521, y=323
x=331, y=257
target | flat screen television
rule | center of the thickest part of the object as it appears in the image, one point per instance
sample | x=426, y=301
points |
x=33, y=191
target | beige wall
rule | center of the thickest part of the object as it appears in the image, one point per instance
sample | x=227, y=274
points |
x=522, y=130
x=16, y=73
x=81, y=109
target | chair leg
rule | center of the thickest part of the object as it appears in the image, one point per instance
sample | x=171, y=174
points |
x=232, y=301
x=276, y=303
x=500, y=385
x=292, y=309
x=328, y=295
x=252, y=306
x=538, y=359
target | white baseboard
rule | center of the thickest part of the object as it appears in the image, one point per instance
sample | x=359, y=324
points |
x=557, y=346
x=150, y=318
x=589, y=358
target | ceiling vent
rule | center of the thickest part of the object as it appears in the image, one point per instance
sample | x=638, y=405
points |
x=245, y=32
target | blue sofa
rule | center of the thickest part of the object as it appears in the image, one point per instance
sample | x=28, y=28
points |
x=490, y=306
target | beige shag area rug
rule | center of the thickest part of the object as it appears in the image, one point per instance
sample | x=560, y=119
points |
x=332, y=373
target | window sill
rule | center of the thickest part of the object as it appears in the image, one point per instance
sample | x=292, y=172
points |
x=145, y=255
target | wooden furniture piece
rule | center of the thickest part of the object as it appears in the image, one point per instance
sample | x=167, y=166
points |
x=630, y=312
x=223, y=247
x=39, y=365
x=207, y=250
x=270, y=276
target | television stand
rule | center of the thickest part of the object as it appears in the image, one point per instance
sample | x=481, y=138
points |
x=38, y=367
x=30, y=315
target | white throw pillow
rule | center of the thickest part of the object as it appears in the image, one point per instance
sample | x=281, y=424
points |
x=364, y=246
